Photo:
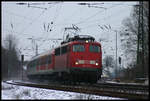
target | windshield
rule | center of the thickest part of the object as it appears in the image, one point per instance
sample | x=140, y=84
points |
x=78, y=48
x=94, y=48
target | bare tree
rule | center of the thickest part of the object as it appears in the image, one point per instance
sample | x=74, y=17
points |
x=131, y=42
x=4, y=65
x=10, y=57
x=108, y=65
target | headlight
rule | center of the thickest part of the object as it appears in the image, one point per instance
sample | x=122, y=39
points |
x=76, y=63
x=96, y=64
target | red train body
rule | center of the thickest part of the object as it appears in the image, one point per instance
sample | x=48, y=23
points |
x=79, y=59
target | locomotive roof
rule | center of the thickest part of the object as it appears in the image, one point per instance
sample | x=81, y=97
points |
x=72, y=42
x=79, y=38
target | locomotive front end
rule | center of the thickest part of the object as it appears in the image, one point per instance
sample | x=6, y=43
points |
x=86, y=60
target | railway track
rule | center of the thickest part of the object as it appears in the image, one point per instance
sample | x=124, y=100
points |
x=103, y=89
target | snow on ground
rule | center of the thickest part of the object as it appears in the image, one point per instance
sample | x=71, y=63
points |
x=20, y=92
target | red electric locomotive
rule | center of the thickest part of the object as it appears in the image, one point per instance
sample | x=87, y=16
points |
x=78, y=59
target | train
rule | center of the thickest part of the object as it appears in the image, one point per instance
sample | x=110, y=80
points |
x=77, y=59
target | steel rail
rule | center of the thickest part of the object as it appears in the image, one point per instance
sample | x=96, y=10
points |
x=101, y=90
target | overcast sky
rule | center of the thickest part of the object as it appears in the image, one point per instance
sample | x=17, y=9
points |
x=37, y=20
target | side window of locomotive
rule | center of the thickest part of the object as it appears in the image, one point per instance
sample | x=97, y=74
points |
x=45, y=60
x=42, y=61
x=31, y=64
x=94, y=48
x=78, y=48
x=49, y=59
x=57, y=51
x=38, y=62
x=35, y=63
x=64, y=50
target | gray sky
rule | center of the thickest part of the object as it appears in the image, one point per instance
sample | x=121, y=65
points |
x=26, y=22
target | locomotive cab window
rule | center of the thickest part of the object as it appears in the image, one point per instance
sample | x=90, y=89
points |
x=94, y=48
x=49, y=59
x=78, y=48
x=31, y=64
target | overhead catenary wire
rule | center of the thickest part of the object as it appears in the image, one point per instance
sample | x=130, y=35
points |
x=79, y=24
x=72, y=15
x=54, y=20
x=19, y=34
x=95, y=24
x=113, y=5
x=24, y=17
x=27, y=19
x=100, y=20
x=52, y=23
x=32, y=21
x=88, y=18
x=97, y=13
x=35, y=19
x=45, y=40
x=18, y=15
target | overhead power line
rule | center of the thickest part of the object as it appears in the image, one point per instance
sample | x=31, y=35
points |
x=91, y=5
x=35, y=19
x=31, y=5
x=53, y=22
x=99, y=12
x=18, y=33
x=24, y=17
x=108, y=3
x=37, y=7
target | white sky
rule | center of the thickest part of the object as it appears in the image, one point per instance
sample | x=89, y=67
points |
x=29, y=22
